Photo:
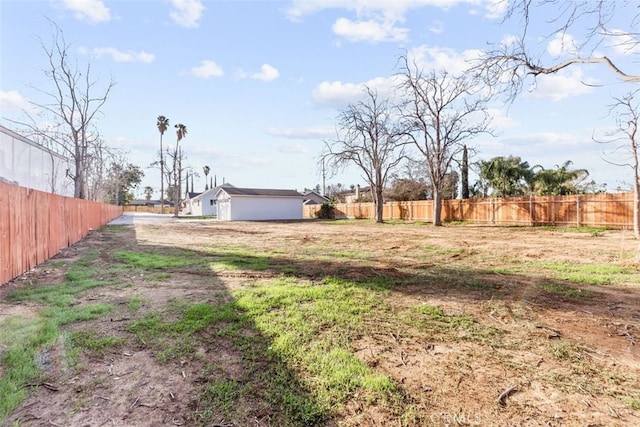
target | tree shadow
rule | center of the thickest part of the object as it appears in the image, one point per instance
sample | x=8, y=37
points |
x=202, y=327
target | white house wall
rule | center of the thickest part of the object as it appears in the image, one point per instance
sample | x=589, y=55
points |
x=202, y=205
x=207, y=204
x=242, y=208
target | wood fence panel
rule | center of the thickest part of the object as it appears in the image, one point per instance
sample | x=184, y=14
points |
x=35, y=225
x=595, y=210
x=5, y=242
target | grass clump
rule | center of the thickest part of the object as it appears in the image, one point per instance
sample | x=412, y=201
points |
x=157, y=261
x=21, y=340
x=91, y=341
x=24, y=339
x=593, y=274
x=567, y=291
x=567, y=351
x=433, y=321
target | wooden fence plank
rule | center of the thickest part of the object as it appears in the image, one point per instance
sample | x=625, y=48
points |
x=595, y=210
x=35, y=225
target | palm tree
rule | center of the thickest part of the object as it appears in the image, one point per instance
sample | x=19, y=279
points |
x=206, y=169
x=181, y=132
x=163, y=124
x=560, y=181
x=148, y=191
x=505, y=175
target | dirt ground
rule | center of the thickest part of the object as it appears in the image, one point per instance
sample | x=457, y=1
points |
x=452, y=381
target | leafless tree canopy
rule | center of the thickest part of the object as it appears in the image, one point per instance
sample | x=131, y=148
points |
x=624, y=142
x=441, y=113
x=66, y=118
x=75, y=102
x=584, y=28
x=369, y=138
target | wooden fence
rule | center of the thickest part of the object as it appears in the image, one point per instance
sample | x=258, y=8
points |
x=594, y=210
x=149, y=209
x=34, y=226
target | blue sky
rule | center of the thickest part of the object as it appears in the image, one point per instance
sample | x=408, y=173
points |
x=259, y=84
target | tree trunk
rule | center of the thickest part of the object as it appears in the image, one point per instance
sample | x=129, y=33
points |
x=161, y=177
x=379, y=205
x=636, y=207
x=178, y=188
x=465, y=173
x=437, y=207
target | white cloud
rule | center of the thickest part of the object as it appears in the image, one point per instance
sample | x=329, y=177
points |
x=93, y=11
x=14, y=101
x=562, y=44
x=292, y=148
x=496, y=9
x=439, y=58
x=207, y=70
x=338, y=94
x=564, y=84
x=500, y=120
x=187, y=13
x=372, y=30
x=624, y=43
x=117, y=55
x=267, y=73
x=376, y=20
x=313, y=132
x=437, y=27
x=301, y=8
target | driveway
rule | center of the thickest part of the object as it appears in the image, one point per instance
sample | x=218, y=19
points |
x=131, y=218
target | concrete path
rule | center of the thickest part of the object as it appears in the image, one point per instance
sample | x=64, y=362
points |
x=131, y=218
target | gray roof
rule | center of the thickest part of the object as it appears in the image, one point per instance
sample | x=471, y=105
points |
x=235, y=191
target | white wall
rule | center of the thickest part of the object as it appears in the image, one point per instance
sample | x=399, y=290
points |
x=247, y=208
x=203, y=205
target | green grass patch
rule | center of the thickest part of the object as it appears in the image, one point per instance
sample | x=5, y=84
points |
x=296, y=342
x=567, y=291
x=134, y=304
x=91, y=341
x=238, y=259
x=23, y=339
x=430, y=251
x=221, y=395
x=435, y=322
x=593, y=274
x=158, y=261
x=118, y=228
x=567, y=351
x=309, y=325
x=632, y=403
x=594, y=231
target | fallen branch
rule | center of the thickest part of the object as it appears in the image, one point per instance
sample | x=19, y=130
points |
x=134, y=403
x=502, y=399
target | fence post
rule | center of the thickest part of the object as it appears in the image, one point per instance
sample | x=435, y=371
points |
x=532, y=220
x=492, y=212
x=578, y=210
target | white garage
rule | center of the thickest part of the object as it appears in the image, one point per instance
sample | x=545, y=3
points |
x=256, y=204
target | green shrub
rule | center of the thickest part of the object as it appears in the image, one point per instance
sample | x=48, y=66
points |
x=327, y=211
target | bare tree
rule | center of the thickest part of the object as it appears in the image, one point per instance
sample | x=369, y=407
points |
x=441, y=112
x=177, y=157
x=601, y=27
x=582, y=31
x=625, y=140
x=369, y=138
x=73, y=108
x=162, y=124
x=206, y=169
